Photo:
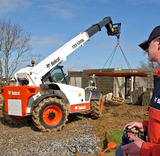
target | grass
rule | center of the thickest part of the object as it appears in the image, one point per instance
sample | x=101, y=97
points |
x=114, y=136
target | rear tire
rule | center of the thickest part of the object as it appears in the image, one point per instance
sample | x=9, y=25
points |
x=97, y=107
x=50, y=115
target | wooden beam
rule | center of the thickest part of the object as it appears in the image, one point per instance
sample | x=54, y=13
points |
x=119, y=74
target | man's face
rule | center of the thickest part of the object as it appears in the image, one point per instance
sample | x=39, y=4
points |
x=152, y=50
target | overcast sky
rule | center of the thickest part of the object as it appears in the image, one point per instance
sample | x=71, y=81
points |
x=55, y=22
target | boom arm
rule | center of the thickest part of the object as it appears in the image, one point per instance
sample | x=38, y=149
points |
x=35, y=74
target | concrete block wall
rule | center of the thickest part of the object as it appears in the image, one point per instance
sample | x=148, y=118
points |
x=141, y=96
x=136, y=98
x=148, y=81
x=105, y=84
x=146, y=98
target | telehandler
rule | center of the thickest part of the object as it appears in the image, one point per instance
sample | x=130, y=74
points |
x=42, y=94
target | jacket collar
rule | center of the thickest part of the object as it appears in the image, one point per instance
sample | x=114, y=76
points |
x=158, y=72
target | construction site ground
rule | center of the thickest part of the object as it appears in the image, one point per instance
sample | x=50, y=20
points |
x=115, y=116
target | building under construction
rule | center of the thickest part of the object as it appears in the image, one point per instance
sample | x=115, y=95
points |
x=120, y=82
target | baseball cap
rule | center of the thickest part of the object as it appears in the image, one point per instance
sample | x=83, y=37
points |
x=155, y=33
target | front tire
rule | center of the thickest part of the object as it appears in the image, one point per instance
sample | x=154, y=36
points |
x=50, y=115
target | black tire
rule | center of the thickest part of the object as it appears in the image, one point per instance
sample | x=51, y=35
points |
x=50, y=115
x=97, y=107
x=14, y=120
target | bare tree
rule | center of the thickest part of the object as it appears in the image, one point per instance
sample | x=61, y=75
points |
x=36, y=57
x=148, y=64
x=14, y=43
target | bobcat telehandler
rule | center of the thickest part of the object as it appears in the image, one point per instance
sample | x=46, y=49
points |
x=41, y=92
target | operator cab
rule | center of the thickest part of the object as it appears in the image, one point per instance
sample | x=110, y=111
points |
x=55, y=75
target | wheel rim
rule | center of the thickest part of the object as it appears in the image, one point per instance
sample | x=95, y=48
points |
x=52, y=115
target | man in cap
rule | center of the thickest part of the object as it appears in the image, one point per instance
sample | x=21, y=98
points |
x=152, y=125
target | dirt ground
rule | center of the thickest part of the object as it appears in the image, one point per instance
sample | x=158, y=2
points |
x=115, y=116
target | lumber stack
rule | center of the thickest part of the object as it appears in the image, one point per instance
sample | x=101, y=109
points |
x=117, y=100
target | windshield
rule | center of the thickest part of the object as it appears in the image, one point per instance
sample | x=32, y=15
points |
x=55, y=75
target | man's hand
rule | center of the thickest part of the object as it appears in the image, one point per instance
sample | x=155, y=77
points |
x=134, y=125
x=134, y=148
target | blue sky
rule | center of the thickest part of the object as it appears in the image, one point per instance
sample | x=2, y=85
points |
x=55, y=22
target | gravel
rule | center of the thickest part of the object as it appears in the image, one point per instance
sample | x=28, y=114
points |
x=26, y=141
